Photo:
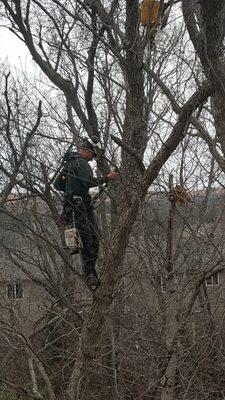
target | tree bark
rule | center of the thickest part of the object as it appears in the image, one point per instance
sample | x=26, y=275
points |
x=93, y=326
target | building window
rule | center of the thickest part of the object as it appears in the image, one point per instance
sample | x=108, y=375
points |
x=15, y=291
x=213, y=280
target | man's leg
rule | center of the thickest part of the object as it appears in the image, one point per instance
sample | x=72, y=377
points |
x=84, y=223
x=94, y=232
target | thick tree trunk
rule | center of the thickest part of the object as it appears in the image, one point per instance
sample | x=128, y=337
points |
x=135, y=125
x=169, y=379
x=93, y=326
x=134, y=134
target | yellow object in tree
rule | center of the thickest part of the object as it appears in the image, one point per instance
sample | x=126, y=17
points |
x=149, y=12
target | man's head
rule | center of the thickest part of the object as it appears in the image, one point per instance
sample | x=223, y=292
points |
x=90, y=148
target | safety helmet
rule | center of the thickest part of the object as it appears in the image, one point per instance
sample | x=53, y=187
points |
x=92, y=144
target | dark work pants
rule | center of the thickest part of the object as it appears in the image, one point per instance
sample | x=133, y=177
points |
x=85, y=222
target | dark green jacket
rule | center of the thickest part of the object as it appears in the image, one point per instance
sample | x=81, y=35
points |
x=79, y=177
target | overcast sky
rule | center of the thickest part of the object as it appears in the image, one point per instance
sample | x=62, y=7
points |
x=13, y=50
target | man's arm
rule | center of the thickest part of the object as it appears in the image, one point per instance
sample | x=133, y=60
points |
x=85, y=175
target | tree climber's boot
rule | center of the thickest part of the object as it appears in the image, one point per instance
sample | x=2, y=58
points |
x=92, y=281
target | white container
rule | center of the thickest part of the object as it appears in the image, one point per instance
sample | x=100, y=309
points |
x=73, y=239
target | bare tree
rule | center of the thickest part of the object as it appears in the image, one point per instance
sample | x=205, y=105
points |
x=98, y=57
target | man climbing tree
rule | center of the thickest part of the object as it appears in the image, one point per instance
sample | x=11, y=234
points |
x=77, y=178
x=86, y=49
